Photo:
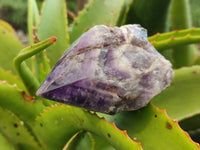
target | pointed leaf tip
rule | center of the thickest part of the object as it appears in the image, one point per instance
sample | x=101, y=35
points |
x=53, y=39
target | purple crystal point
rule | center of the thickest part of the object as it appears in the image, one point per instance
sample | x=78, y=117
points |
x=108, y=69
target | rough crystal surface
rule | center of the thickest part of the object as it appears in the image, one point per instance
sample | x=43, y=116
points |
x=108, y=69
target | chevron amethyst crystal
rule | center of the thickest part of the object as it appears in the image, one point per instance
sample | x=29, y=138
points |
x=108, y=69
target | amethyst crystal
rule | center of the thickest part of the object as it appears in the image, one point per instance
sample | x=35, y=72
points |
x=108, y=69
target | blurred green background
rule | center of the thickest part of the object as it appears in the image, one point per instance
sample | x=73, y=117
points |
x=15, y=11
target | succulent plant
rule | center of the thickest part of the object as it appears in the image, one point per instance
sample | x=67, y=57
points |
x=30, y=122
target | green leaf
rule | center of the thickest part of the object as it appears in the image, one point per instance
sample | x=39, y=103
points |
x=65, y=121
x=181, y=19
x=33, y=19
x=151, y=14
x=54, y=23
x=181, y=99
x=72, y=9
x=195, y=12
x=40, y=61
x=74, y=141
x=154, y=129
x=15, y=100
x=15, y=131
x=11, y=79
x=175, y=38
x=124, y=12
x=101, y=144
x=24, y=72
x=42, y=66
x=94, y=13
x=196, y=61
x=9, y=46
x=88, y=141
x=5, y=145
x=8, y=27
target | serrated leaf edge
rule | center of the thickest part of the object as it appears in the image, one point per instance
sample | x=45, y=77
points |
x=124, y=132
x=21, y=123
x=176, y=122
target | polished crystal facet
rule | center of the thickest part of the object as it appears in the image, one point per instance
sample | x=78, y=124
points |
x=108, y=70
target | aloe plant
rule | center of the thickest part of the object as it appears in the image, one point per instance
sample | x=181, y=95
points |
x=30, y=122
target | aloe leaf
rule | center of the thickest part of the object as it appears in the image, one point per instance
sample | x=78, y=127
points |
x=5, y=145
x=196, y=61
x=9, y=47
x=94, y=13
x=100, y=143
x=194, y=5
x=91, y=141
x=8, y=27
x=74, y=141
x=181, y=19
x=86, y=142
x=23, y=71
x=33, y=19
x=184, y=55
x=151, y=126
x=43, y=63
x=41, y=66
x=40, y=61
x=145, y=12
x=65, y=121
x=175, y=38
x=124, y=12
x=54, y=23
x=181, y=99
x=15, y=131
x=72, y=9
x=11, y=79
x=15, y=100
